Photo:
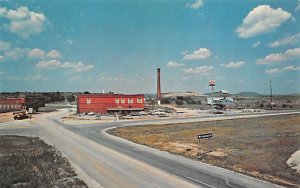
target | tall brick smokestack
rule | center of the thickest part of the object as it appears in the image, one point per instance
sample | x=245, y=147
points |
x=158, y=84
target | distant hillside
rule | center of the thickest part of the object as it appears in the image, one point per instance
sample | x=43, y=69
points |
x=248, y=94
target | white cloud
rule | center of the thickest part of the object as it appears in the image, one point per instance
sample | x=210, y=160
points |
x=272, y=71
x=279, y=57
x=202, y=70
x=2, y=73
x=298, y=7
x=73, y=67
x=35, y=77
x=69, y=65
x=51, y=64
x=195, y=5
x=1, y=57
x=108, y=78
x=15, y=53
x=202, y=53
x=262, y=19
x=291, y=68
x=4, y=46
x=256, y=44
x=36, y=53
x=23, y=22
x=77, y=67
x=240, y=81
x=172, y=64
x=3, y=11
x=53, y=54
x=69, y=41
x=234, y=64
x=286, y=41
x=284, y=69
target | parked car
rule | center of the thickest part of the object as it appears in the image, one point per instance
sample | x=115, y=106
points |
x=136, y=114
x=128, y=117
x=91, y=113
x=143, y=113
x=98, y=116
x=163, y=115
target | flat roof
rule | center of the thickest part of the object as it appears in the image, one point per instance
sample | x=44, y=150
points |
x=123, y=109
x=110, y=95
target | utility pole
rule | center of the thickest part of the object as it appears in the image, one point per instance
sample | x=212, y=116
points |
x=271, y=94
x=271, y=90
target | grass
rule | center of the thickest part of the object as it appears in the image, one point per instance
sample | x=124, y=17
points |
x=29, y=162
x=258, y=147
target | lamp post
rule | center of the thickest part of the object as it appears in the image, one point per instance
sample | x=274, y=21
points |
x=212, y=83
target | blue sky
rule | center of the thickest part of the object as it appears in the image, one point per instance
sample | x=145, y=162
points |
x=117, y=45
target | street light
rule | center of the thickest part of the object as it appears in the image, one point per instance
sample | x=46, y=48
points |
x=212, y=83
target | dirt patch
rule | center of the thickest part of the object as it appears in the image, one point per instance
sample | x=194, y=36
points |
x=29, y=162
x=6, y=117
x=258, y=147
x=294, y=161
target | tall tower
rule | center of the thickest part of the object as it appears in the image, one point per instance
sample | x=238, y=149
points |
x=158, y=86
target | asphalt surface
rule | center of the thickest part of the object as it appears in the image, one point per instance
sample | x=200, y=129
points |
x=114, y=162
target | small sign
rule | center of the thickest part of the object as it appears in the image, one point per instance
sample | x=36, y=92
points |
x=30, y=110
x=212, y=83
x=207, y=135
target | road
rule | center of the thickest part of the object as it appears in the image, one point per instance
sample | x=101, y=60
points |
x=108, y=161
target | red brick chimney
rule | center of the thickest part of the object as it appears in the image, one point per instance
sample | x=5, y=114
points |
x=158, y=84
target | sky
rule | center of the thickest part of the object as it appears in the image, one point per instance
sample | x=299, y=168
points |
x=96, y=45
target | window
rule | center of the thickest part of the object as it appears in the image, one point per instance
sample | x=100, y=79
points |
x=130, y=101
x=88, y=101
x=139, y=100
x=117, y=101
x=122, y=101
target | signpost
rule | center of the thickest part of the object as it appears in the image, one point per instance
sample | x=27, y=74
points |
x=204, y=136
x=212, y=83
x=201, y=136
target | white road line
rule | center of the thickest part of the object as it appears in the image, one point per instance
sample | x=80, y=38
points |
x=201, y=182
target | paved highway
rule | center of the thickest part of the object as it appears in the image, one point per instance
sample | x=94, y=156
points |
x=108, y=161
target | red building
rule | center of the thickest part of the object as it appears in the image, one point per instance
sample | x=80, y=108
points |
x=110, y=103
x=21, y=103
x=12, y=104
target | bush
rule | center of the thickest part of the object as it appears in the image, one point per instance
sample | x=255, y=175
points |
x=179, y=102
x=165, y=101
x=189, y=100
x=261, y=105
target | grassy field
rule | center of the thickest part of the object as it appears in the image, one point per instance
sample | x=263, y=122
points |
x=258, y=147
x=29, y=162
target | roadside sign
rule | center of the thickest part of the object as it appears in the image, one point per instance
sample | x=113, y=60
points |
x=212, y=83
x=207, y=135
x=30, y=110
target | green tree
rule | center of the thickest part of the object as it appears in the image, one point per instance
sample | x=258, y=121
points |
x=165, y=101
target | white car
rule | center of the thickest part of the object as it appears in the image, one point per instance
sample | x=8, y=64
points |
x=159, y=113
x=91, y=113
x=128, y=117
